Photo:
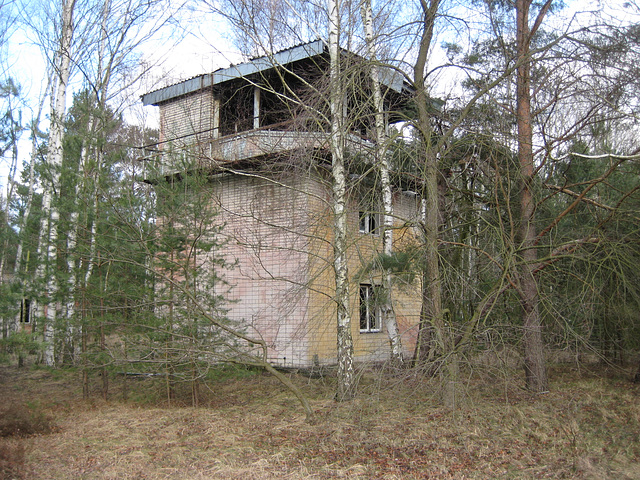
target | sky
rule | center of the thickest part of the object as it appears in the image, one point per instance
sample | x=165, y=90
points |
x=192, y=44
x=174, y=54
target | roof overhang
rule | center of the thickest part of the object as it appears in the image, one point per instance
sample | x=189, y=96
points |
x=388, y=77
x=233, y=72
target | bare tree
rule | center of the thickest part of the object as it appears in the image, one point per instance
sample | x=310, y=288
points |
x=381, y=159
x=346, y=377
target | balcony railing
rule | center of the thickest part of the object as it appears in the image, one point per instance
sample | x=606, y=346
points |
x=251, y=144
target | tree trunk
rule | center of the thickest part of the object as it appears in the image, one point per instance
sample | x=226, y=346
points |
x=85, y=366
x=346, y=378
x=381, y=160
x=432, y=293
x=432, y=323
x=54, y=160
x=534, y=363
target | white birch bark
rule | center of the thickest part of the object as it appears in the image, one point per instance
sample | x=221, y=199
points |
x=62, y=61
x=92, y=236
x=35, y=123
x=382, y=162
x=346, y=380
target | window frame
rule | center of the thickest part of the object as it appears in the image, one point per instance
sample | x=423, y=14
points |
x=369, y=223
x=370, y=311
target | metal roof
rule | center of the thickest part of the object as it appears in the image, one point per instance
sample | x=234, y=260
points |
x=222, y=75
x=388, y=77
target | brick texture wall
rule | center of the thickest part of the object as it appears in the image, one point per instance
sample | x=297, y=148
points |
x=279, y=231
x=188, y=119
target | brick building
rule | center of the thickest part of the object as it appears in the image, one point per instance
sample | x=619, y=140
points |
x=258, y=129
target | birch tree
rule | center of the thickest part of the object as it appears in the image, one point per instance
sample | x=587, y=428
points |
x=62, y=74
x=346, y=377
x=122, y=28
x=381, y=160
x=265, y=28
x=101, y=40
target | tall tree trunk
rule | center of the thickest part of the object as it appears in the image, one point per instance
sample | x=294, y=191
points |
x=432, y=294
x=346, y=378
x=382, y=162
x=47, y=270
x=433, y=331
x=54, y=160
x=534, y=363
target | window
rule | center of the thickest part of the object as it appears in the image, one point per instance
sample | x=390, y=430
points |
x=369, y=223
x=369, y=309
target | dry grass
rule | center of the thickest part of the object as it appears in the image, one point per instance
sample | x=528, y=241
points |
x=252, y=428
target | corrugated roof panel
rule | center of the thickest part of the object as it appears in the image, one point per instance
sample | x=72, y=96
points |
x=172, y=91
x=222, y=75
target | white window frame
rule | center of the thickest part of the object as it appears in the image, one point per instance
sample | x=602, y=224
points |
x=369, y=223
x=370, y=313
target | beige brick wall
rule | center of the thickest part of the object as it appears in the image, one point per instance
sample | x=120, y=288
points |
x=322, y=311
x=265, y=225
x=187, y=120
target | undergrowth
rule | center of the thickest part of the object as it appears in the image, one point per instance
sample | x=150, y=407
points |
x=12, y=460
x=18, y=420
x=248, y=425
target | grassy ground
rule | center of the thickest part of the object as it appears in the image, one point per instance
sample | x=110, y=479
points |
x=588, y=427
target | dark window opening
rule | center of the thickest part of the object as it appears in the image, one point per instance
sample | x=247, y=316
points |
x=236, y=110
x=369, y=309
x=368, y=223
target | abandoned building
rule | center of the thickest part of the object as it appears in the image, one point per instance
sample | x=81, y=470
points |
x=260, y=128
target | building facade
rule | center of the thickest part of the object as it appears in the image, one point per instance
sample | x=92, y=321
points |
x=257, y=128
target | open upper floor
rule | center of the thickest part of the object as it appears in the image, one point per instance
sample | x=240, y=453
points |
x=267, y=106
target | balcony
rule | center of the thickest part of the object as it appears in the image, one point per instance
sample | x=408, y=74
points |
x=258, y=144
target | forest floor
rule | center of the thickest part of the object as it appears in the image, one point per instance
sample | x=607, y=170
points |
x=250, y=427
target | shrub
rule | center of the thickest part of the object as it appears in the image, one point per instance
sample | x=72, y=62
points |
x=22, y=421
